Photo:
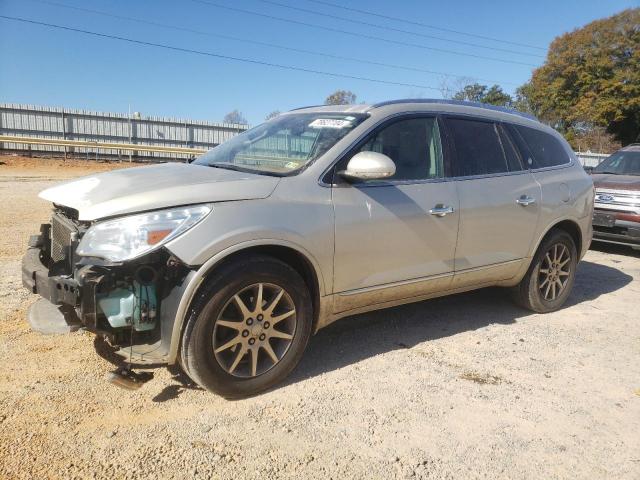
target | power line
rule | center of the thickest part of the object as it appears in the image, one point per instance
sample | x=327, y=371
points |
x=426, y=25
x=361, y=35
x=399, y=30
x=217, y=55
x=265, y=44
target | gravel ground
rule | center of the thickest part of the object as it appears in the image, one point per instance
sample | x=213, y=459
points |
x=461, y=387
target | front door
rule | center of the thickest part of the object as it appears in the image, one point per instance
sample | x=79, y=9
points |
x=392, y=240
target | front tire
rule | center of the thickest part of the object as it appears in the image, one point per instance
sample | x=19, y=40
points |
x=248, y=327
x=551, y=275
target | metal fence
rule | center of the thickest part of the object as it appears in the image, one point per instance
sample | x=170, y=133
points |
x=70, y=124
x=589, y=159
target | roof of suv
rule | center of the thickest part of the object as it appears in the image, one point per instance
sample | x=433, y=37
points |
x=455, y=106
x=632, y=147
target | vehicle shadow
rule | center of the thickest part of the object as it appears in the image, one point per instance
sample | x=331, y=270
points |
x=173, y=391
x=614, y=249
x=356, y=338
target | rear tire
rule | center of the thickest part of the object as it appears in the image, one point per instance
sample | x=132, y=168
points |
x=248, y=327
x=551, y=275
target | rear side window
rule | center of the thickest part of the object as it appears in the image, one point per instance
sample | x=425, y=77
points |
x=546, y=150
x=479, y=150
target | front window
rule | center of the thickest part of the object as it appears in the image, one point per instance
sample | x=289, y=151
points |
x=283, y=145
x=414, y=146
x=620, y=163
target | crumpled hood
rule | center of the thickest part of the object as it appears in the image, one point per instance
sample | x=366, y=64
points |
x=152, y=187
x=616, y=182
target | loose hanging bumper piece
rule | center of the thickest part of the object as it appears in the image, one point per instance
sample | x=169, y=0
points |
x=125, y=377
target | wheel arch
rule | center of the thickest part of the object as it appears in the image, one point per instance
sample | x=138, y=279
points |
x=568, y=225
x=291, y=254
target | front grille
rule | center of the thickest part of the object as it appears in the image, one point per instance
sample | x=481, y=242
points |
x=63, y=236
x=621, y=200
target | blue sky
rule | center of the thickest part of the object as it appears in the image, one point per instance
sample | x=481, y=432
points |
x=59, y=68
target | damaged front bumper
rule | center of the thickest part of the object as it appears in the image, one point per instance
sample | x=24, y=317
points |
x=132, y=305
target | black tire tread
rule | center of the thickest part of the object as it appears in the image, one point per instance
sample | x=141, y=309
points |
x=194, y=361
x=525, y=293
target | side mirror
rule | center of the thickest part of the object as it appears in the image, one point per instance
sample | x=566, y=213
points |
x=369, y=166
x=589, y=169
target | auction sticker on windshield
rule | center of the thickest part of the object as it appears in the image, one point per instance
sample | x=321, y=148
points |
x=329, y=123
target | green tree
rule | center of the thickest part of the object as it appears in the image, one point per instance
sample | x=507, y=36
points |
x=523, y=101
x=341, y=97
x=493, y=95
x=592, y=77
x=471, y=93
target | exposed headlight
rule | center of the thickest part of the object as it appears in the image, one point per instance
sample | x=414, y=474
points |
x=129, y=237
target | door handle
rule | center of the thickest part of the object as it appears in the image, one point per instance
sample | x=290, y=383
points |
x=525, y=200
x=441, y=210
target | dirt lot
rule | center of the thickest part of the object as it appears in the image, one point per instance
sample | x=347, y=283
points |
x=462, y=387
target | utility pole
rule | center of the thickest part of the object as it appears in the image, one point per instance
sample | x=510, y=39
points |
x=130, y=134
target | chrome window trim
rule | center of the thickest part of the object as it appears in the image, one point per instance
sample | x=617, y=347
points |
x=519, y=172
x=491, y=175
x=555, y=167
x=391, y=183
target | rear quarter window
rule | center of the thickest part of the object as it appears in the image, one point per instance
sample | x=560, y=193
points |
x=545, y=150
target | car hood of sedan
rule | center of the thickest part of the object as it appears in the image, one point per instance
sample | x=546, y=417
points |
x=616, y=182
x=138, y=189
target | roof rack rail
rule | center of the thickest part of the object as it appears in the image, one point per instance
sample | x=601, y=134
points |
x=308, y=106
x=458, y=102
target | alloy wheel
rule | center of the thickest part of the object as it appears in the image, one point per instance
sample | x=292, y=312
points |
x=555, y=271
x=254, y=330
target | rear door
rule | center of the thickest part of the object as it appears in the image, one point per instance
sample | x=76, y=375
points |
x=499, y=201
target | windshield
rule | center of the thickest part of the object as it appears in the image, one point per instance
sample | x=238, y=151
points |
x=282, y=145
x=620, y=163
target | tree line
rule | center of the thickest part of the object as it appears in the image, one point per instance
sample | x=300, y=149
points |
x=588, y=88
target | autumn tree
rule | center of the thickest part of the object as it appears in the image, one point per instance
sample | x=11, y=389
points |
x=341, y=97
x=493, y=95
x=591, y=76
x=523, y=101
x=235, y=117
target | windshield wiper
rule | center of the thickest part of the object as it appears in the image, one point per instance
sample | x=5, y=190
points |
x=608, y=173
x=236, y=168
x=226, y=166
